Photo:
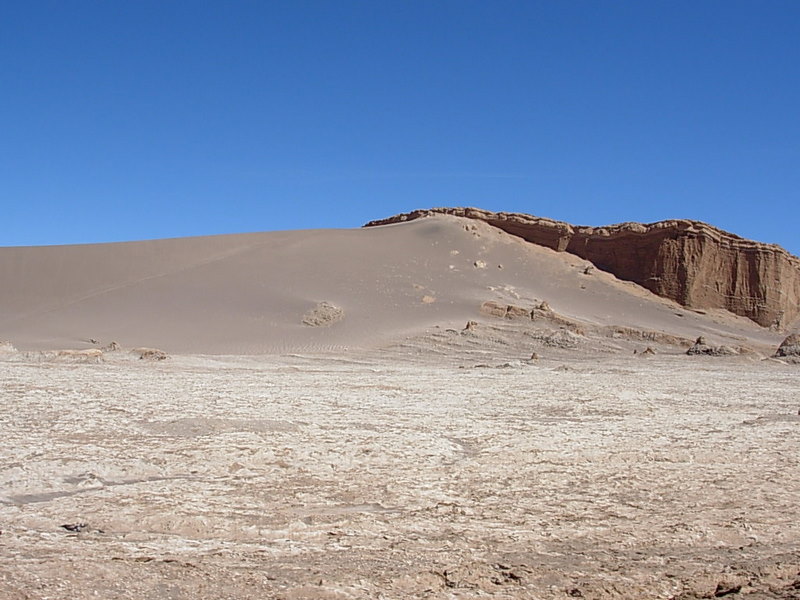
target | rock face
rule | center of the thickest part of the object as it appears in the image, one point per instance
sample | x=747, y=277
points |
x=695, y=264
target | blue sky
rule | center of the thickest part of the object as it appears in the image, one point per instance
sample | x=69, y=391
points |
x=132, y=120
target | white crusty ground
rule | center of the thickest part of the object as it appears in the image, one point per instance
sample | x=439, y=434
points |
x=370, y=477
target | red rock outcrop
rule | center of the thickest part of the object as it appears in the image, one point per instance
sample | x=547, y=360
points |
x=695, y=264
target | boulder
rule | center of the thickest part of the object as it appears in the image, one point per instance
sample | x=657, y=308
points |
x=790, y=346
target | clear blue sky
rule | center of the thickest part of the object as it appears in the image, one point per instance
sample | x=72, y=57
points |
x=130, y=120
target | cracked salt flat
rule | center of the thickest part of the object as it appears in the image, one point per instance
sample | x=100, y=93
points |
x=306, y=477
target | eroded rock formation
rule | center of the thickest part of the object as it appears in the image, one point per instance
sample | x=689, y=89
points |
x=695, y=264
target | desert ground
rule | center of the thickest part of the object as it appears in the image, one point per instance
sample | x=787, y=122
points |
x=427, y=410
x=388, y=475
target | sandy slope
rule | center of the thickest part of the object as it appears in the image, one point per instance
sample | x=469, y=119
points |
x=249, y=293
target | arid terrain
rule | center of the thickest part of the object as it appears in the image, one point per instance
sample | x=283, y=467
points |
x=433, y=409
x=663, y=476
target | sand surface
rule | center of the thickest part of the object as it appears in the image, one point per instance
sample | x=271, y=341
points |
x=391, y=475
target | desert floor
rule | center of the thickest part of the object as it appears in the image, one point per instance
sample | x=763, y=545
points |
x=383, y=476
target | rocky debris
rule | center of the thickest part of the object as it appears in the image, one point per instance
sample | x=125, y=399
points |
x=513, y=364
x=482, y=577
x=517, y=312
x=153, y=354
x=560, y=338
x=702, y=347
x=631, y=333
x=693, y=263
x=494, y=309
x=540, y=311
x=89, y=355
x=790, y=346
x=324, y=314
x=512, y=311
x=112, y=347
x=544, y=312
x=509, y=311
x=7, y=348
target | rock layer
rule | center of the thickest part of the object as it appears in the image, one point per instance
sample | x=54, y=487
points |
x=693, y=263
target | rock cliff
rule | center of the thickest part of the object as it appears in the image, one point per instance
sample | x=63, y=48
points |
x=695, y=264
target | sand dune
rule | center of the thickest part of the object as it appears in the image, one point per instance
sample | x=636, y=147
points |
x=257, y=293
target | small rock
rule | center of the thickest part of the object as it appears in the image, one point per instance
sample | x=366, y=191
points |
x=149, y=354
x=324, y=314
x=725, y=588
x=471, y=326
x=76, y=527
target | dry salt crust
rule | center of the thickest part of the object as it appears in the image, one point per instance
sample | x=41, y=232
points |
x=390, y=476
